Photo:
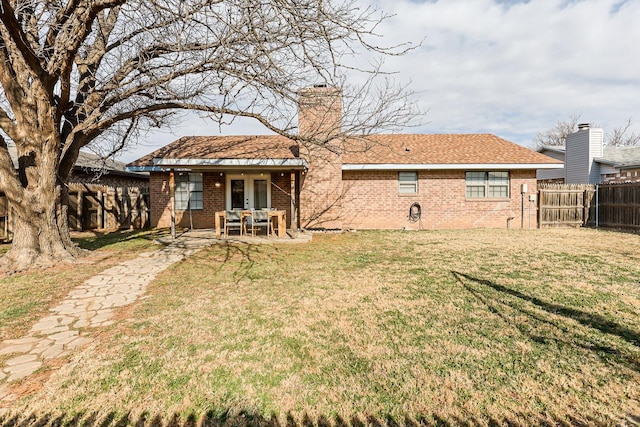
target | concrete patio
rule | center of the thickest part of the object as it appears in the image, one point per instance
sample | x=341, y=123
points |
x=198, y=237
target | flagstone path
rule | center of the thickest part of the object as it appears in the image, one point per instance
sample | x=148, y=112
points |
x=90, y=305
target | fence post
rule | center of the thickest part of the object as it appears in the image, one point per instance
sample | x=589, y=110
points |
x=539, y=208
x=597, y=206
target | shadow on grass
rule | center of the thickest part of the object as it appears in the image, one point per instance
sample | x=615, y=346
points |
x=589, y=320
x=92, y=240
x=247, y=419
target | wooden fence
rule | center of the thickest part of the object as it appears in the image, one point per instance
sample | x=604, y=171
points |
x=619, y=206
x=561, y=205
x=612, y=206
x=95, y=207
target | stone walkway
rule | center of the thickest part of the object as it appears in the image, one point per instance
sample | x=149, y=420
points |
x=90, y=305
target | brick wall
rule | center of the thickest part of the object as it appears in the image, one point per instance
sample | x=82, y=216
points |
x=213, y=201
x=319, y=112
x=280, y=198
x=373, y=201
x=628, y=175
x=322, y=193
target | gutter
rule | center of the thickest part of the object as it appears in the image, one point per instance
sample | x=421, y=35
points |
x=160, y=165
x=449, y=166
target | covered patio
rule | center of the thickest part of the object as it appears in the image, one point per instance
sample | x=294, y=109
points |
x=198, y=184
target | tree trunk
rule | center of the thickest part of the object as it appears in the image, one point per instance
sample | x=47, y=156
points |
x=40, y=233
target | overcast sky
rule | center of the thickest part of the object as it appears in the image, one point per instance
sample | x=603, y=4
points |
x=511, y=68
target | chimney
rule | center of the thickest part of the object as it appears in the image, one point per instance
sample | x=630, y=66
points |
x=320, y=112
x=581, y=150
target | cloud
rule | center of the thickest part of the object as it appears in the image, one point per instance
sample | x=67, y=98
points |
x=512, y=68
x=515, y=68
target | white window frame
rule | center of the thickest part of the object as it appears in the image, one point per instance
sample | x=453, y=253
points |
x=487, y=181
x=191, y=195
x=408, y=182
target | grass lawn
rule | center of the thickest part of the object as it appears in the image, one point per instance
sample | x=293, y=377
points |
x=396, y=328
x=25, y=297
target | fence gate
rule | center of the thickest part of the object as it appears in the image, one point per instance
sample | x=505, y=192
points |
x=561, y=205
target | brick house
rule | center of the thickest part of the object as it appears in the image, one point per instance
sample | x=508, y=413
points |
x=588, y=161
x=356, y=182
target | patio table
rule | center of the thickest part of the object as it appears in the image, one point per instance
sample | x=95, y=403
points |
x=277, y=218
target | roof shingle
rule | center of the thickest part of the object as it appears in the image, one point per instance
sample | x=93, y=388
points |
x=377, y=149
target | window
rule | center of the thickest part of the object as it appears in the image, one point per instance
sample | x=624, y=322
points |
x=189, y=191
x=487, y=185
x=408, y=182
x=260, y=193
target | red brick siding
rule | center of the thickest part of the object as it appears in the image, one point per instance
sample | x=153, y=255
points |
x=629, y=175
x=279, y=199
x=364, y=200
x=213, y=200
x=373, y=201
x=322, y=192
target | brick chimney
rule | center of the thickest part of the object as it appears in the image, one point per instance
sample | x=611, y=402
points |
x=322, y=190
x=320, y=112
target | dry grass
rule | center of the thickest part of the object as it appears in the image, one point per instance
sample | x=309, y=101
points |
x=26, y=296
x=480, y=326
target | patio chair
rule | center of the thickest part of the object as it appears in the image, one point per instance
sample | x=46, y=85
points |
x=232, y=219
x=259, y=218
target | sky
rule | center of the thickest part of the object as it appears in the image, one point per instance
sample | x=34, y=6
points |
x=507, y=67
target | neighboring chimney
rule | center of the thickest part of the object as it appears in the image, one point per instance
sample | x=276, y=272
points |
x=320, y=112
x=581, y=148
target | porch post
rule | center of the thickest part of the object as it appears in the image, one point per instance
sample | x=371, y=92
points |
x=172, y=201
x=294, y=205
x=297, y=196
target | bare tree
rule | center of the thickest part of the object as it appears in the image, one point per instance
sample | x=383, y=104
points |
x=79, y=72
x=557, y=135
x=622, y=136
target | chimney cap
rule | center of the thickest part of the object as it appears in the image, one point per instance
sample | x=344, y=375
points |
x=583, y=126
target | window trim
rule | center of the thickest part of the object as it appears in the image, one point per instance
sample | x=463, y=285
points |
x=486, y=185
x=199, y=189
x=410, y=184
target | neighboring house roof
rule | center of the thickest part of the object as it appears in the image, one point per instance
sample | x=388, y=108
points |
x=552, y=148
x=621, y=157
x=618, y=157
x=395, y=151
x=89, y=163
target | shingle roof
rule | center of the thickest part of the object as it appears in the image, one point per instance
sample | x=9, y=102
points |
x=444, y=149
x=377, y=149
x=621, y=156
x=223, y=147
x=88, y=163
x=626, y=156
